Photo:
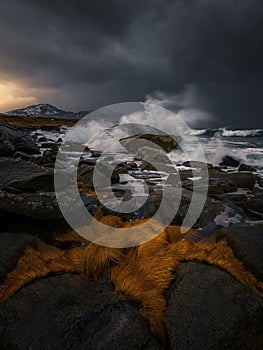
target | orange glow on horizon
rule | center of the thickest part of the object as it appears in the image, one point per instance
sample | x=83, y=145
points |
x=13, y=95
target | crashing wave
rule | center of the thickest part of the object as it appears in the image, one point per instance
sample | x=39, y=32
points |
x=242, y=133
x=196, y=132
x=227, y=133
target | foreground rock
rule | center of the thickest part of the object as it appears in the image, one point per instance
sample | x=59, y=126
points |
x=25, y=176
x=63, y=312
x=41, y=206
x=13, y=139
x=12, y=246
x=247, y=244
x=208, y=309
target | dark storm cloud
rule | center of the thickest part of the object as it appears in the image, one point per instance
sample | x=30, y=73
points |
x=100, y=52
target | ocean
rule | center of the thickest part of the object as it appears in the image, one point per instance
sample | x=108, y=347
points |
x=244, y=145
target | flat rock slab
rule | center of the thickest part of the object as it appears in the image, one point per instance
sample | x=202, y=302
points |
x=253, y=205
x=40, y=206
x=243, y=179
x=63, y=312
x=135, y=142
x=25, y=176
x=247, y=244
x=12, y=246
x=208, y=309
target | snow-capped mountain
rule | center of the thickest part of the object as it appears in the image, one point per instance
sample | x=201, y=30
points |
x=47, y=110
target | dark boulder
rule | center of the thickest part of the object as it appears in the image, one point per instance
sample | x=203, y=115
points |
x=208, y=309
x=13, y=139
x=245, y=167
x=247, y=244
x=95, y=154
x=216, y=185
x=12, y=246
x=229, y=161
x=260, y=181
x=231, y=197
x=184, y=175
x=198, y=165
x=40, y=206
x=253, y=205
x=85, y=173
x=64, y=312
x=209, y=212
x=24, y=156
x=42, y=139
x=242, y=179
x=25, y=176
x=49, y=156
x=48, y=145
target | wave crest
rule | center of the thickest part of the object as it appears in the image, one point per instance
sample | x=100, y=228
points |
x=227, y=133
x=242, y=133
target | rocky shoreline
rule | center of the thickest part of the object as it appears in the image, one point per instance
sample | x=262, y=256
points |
x=206, y=307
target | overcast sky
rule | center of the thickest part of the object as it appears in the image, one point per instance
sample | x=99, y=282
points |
x=78, y=55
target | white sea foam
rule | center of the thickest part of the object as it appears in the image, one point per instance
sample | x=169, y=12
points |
x=196, y=132
x=242, y=133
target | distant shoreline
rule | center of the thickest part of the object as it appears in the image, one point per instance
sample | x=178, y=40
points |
x=36, y=121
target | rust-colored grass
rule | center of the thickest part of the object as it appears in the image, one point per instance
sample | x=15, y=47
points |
x=85, y=188
x=142, y=274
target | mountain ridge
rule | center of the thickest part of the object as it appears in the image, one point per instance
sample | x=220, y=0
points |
x=47, y=110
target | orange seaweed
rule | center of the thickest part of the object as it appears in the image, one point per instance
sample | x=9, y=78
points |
x=142, y=274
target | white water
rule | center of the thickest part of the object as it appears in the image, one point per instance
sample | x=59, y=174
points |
x=241, y=133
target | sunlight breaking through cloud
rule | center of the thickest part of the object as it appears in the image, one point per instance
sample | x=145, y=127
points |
x=12, y=96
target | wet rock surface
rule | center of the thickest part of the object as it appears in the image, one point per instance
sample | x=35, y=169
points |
x=253, y=204
x=13, y=139
x=35, y=174
x=12, y=246
x=247, y=244
x=63, y=312
x=245, y=167
x=134, y=143
x=25, y=176
x=241, y=179
x=229, y=161
x=208, y=309
x=42, y=206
